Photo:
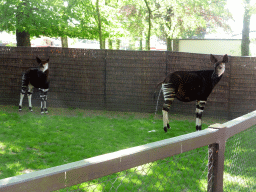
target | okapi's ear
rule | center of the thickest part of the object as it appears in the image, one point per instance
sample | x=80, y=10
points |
x=38, y=60
x=225, y=59
x=213, y=59
x=48, y=60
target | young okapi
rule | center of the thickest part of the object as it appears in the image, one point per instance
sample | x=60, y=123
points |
x=189, y=86
x=38, y=78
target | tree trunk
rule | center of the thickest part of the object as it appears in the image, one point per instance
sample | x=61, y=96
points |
x=110, y=44
x=149, y=26
x=118, y=43
x=140, y=45
x=103, y=43
x=169, y=44
x=22, y=35
x=23, y=38
x=99, y=24
x=245, y=45
x=64, y=42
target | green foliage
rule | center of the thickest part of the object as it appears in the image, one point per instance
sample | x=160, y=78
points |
x=48, y=18
x=135, y=19
x=188, y=18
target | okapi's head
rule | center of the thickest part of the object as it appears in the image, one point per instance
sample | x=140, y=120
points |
x=43, y=64
x=219, y=65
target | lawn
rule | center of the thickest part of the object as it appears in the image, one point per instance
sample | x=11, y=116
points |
x=240, y=164
x=31, y=141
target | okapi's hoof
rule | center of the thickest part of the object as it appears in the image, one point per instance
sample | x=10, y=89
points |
x=30, y=108
x=20, y=109
x=165, y=129
x=45, y=111
x=168, y=126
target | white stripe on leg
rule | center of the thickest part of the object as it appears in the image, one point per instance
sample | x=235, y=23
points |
x=29, y=101
x=165, y=118
x=198, y=122
x=165, y=121
x=21, y=100
x=42, y=107
x=30, y=91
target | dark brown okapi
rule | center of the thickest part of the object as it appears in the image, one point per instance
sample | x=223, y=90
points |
x=189, y=86
x=38, y=78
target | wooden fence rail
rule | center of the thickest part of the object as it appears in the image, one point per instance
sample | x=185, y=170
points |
x=88, y=169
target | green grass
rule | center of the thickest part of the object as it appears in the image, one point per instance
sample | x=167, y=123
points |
x=184, y=172
x=30, y=141
x=240, y=164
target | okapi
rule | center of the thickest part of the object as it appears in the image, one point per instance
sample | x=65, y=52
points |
x=189, y=86
x=38, y=78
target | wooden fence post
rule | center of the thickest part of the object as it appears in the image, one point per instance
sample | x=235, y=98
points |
x=216, y=161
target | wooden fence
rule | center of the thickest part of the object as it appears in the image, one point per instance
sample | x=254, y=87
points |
x=88, y=169
x=124, y=80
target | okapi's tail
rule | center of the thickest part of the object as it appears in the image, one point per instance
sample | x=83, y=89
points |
x=158, y=96
x=156, y=90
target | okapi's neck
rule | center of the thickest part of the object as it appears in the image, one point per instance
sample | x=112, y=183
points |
x=47, y=73
x=215, y=79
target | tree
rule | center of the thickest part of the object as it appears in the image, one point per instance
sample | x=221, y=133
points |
x=173, y=19
x=22, y=36
x=102, y=20
x=245, y=44
x=30, y=18
x=134, y=20
x=112, y=28
x=99, y=23
x=190, y=18
x=149, y=24
x=58, y=18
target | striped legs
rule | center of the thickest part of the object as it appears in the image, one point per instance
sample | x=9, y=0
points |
x=21, y=99
x=22, y=94
x=24, y=85
x=199, y=111
x=169, y=95
x=23, y=90
x=43, y=96
x=30, y=91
